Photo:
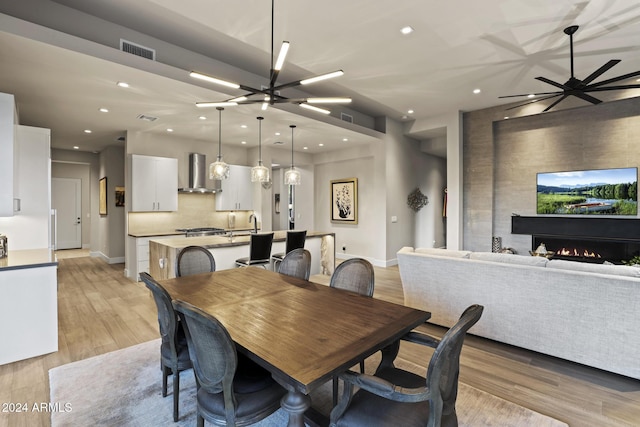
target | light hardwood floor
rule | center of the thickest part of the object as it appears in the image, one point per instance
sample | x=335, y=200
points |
x=100, y=311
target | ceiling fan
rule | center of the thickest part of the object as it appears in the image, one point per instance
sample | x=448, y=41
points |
x=270, y=95
x=576, y=87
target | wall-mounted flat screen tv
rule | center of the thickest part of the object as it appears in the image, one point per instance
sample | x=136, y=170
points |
x=588, y=192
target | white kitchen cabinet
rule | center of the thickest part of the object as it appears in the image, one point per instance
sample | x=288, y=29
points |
x=8, y=188
x=237, y=190
x=154, y=182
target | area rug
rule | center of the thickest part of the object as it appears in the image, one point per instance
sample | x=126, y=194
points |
x=123, y=388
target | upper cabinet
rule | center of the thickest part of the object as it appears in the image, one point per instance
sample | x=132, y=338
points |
x=8, y=189
x=236, y=194
x=154, y=182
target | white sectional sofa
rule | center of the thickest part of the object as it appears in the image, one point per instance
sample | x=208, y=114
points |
x=586, y=313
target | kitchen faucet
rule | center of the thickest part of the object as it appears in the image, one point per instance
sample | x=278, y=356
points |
x=255, y=222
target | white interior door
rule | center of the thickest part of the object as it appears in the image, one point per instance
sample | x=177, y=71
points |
x=66, y=197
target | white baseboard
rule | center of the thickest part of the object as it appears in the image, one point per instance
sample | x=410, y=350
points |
x=374, y=262
x=116, y=260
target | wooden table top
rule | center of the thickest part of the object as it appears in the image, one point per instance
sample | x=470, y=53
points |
x=303, y=332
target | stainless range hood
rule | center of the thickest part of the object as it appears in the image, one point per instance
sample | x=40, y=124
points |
x=198, y=176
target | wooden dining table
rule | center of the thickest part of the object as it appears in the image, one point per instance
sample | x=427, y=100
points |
x=304, y=333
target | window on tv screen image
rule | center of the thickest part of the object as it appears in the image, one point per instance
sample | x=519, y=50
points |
x=588, y=192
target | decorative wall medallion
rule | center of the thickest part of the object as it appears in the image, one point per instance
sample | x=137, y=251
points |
x=417, y=200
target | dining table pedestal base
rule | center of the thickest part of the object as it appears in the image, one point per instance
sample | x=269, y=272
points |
x=295, y=404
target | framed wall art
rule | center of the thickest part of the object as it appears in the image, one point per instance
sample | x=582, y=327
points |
x=103, y=196
x=344, y=200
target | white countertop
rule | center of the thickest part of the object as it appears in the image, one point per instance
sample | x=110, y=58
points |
x=31, y=258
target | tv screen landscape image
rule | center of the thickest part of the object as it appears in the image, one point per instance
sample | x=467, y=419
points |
x=588, y=192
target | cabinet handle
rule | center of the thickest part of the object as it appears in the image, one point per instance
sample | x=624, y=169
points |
x=17, y=205
x=158, y=205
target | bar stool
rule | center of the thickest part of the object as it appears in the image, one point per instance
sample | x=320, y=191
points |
x=259, y=251
x=295, y=240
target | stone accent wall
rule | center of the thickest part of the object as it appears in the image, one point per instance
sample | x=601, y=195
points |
x=502, y=157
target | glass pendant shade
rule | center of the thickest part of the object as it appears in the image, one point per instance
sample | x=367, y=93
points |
x=292, y=177
x=219, y=169
x=260, y=173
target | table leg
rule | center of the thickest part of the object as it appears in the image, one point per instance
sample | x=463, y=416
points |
x=295, y=404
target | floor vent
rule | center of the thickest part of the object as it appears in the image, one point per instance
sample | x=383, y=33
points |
x=346, y=117
x=146, y=118
x=138, y=50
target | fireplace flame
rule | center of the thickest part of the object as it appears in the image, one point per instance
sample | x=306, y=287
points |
x=573, y=252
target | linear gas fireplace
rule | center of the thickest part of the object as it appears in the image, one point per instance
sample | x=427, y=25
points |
x=589, y=239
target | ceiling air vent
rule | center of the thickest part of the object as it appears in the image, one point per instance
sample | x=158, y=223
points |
x=278, y=143
x=138, y=50
x=346, y=117
x=146, y=118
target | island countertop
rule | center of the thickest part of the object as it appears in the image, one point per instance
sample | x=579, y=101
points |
x=163, y=252
x=29, y=258
x=211, y=242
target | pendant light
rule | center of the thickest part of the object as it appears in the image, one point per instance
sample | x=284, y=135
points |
x=219, y=169
x=292, y=176
x=259, y=173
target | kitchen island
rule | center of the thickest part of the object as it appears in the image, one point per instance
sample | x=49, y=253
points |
x=28, y=304
x=226, y=249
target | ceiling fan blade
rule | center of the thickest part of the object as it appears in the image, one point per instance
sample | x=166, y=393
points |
x=554, y=103
x=601, y=89
x=535, y=100
x=586, y=97
x=529, y=94
x=597, y=73
x=615, y=79
x=552, y=83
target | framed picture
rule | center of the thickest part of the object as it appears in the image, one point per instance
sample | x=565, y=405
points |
x=344, y=200
x=103, y=196
x=119, y=196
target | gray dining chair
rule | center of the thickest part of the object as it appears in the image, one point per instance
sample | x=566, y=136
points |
x=296, y=263
x=294, y=240
x=356, y=275
x=232, y=389
x=194, y=260
x=259, y=251
x=393, y=396
x=174, y=353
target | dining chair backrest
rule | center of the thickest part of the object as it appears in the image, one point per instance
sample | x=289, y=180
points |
x=260, y=246
x=354, y=274
x=296, y=263
x=213, y=353
x=295, y=240
x=167, y=317
x=194, y=260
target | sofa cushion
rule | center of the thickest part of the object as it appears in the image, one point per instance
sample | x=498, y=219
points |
x=443, y=252
x=535, y=261
x=618, y=270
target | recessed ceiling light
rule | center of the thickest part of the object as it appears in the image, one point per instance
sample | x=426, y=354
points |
x=345, y=139
x=104, y=110
x=123, y=84
x=506, y=117
x=75, y=147
x=243, y=142
x=410, y=111
x=277, y=133
x=530, y=95
x=406, y=30
x=202, y=118
x=476, y=91
x=87, y=131
x=321, y=145
x=243, y=126
x=305, y=148
x=169, y=130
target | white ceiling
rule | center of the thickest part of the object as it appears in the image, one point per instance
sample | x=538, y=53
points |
x=497, y=46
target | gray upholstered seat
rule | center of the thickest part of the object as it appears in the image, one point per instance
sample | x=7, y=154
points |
x=356, y=275
x=398, y=397
x=232, y=389
x=259, y=251
x=296, y=263
x=174, y=354
x=194, y=260
x=295, y=240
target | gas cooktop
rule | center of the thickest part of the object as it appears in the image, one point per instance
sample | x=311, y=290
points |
x=201, y=231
